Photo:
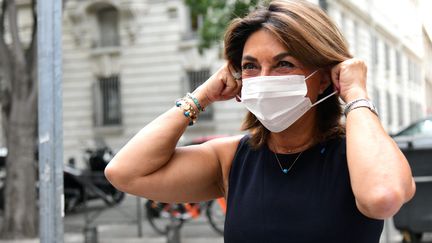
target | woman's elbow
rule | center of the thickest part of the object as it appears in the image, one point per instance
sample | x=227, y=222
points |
x=382, y=204
x=116, y=177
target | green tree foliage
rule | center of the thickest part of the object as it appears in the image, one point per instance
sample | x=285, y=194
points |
x=214, y=16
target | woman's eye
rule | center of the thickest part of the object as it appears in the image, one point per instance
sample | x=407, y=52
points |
x=285, y=64
x=247, y=66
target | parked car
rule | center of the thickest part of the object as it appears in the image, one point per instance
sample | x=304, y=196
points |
x=415, y=217
x=417, y=135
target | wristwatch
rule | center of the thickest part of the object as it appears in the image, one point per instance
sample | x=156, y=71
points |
x=360, y=103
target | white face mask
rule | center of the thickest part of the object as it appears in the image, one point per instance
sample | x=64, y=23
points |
x=277, y=101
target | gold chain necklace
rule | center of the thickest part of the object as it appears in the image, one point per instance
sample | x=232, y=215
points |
x=284, y=170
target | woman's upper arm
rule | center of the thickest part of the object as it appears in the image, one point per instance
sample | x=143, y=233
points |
x=194, y=173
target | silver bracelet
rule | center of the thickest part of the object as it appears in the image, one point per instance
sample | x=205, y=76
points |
x=360, y=103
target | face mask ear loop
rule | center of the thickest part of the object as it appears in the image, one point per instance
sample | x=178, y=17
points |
x=328, y=96
x=239, y=98
x=311, y=74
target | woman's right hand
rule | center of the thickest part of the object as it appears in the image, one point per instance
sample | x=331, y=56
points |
x=220, y=86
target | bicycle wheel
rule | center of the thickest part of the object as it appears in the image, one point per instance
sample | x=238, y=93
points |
x=159, y=216
x=216, y=215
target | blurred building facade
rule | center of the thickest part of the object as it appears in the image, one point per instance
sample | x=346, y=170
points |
x=127, y=61
x=427, y=67
x=392, y=46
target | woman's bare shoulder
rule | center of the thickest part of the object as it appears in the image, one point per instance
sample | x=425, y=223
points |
x=225, y=148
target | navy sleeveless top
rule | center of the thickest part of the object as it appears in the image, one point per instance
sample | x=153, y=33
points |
x=312, y=203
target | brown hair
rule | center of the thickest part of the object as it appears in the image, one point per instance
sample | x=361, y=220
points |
x=310, y=36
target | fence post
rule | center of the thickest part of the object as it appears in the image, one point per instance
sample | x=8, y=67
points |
x=140, y=216
x=173, y=230
x=90, y=230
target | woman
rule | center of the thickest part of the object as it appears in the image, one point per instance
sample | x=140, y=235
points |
x=295, y=177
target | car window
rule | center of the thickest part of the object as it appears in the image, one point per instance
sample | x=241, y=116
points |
x=423, y=128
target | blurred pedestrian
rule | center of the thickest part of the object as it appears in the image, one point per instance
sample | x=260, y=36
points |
x=299, y=174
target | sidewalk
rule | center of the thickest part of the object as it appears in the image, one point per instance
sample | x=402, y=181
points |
x=77, y=238
x=118, y=224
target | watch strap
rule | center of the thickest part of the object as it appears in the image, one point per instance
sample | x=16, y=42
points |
x=360, y=103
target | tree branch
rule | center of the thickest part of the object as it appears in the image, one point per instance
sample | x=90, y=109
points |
x=31, y=52
x=3, y=16
x=33, y=40
x=5, y=64
x=3, y=45
x=5, y=122
x=17, y=49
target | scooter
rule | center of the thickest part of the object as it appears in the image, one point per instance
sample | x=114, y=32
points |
x=81, y=186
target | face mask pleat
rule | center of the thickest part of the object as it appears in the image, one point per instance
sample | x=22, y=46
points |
x=273, y=112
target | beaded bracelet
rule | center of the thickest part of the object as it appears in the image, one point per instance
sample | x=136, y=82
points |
x=195, y=100
x=188, y=110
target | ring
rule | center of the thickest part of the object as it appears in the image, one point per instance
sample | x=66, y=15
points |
x=236, y=75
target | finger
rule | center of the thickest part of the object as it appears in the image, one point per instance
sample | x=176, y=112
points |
x=234, y=73
x=232, y=87
x=229, y=90
x=237, y=91
x=240, y=85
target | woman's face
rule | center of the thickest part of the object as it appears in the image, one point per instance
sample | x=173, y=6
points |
x=265, y=55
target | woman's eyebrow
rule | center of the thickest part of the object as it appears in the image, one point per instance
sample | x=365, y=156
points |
x=249, y=58
x=281, y=56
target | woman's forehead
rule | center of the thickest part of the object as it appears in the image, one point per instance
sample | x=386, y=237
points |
x=262, y=42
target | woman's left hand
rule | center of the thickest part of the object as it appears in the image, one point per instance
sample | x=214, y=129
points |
x=349, y=77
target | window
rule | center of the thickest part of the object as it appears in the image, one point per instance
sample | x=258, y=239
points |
x=343, y=23
x=107, y=19
x=410, y=70
x=414, y=72
x=107, y=105
x=196, y=20
x=401, y=110
x=389, y=109
x=398, y=63
x=415, y=111
x=387, y=56
x=323, y=4
x=374, y=44
x=356, y=38
x=196, y=78
x=419, y=111
x=172, y=12
x=376, y=98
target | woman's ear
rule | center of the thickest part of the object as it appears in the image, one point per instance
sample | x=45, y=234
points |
x=325, y=80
